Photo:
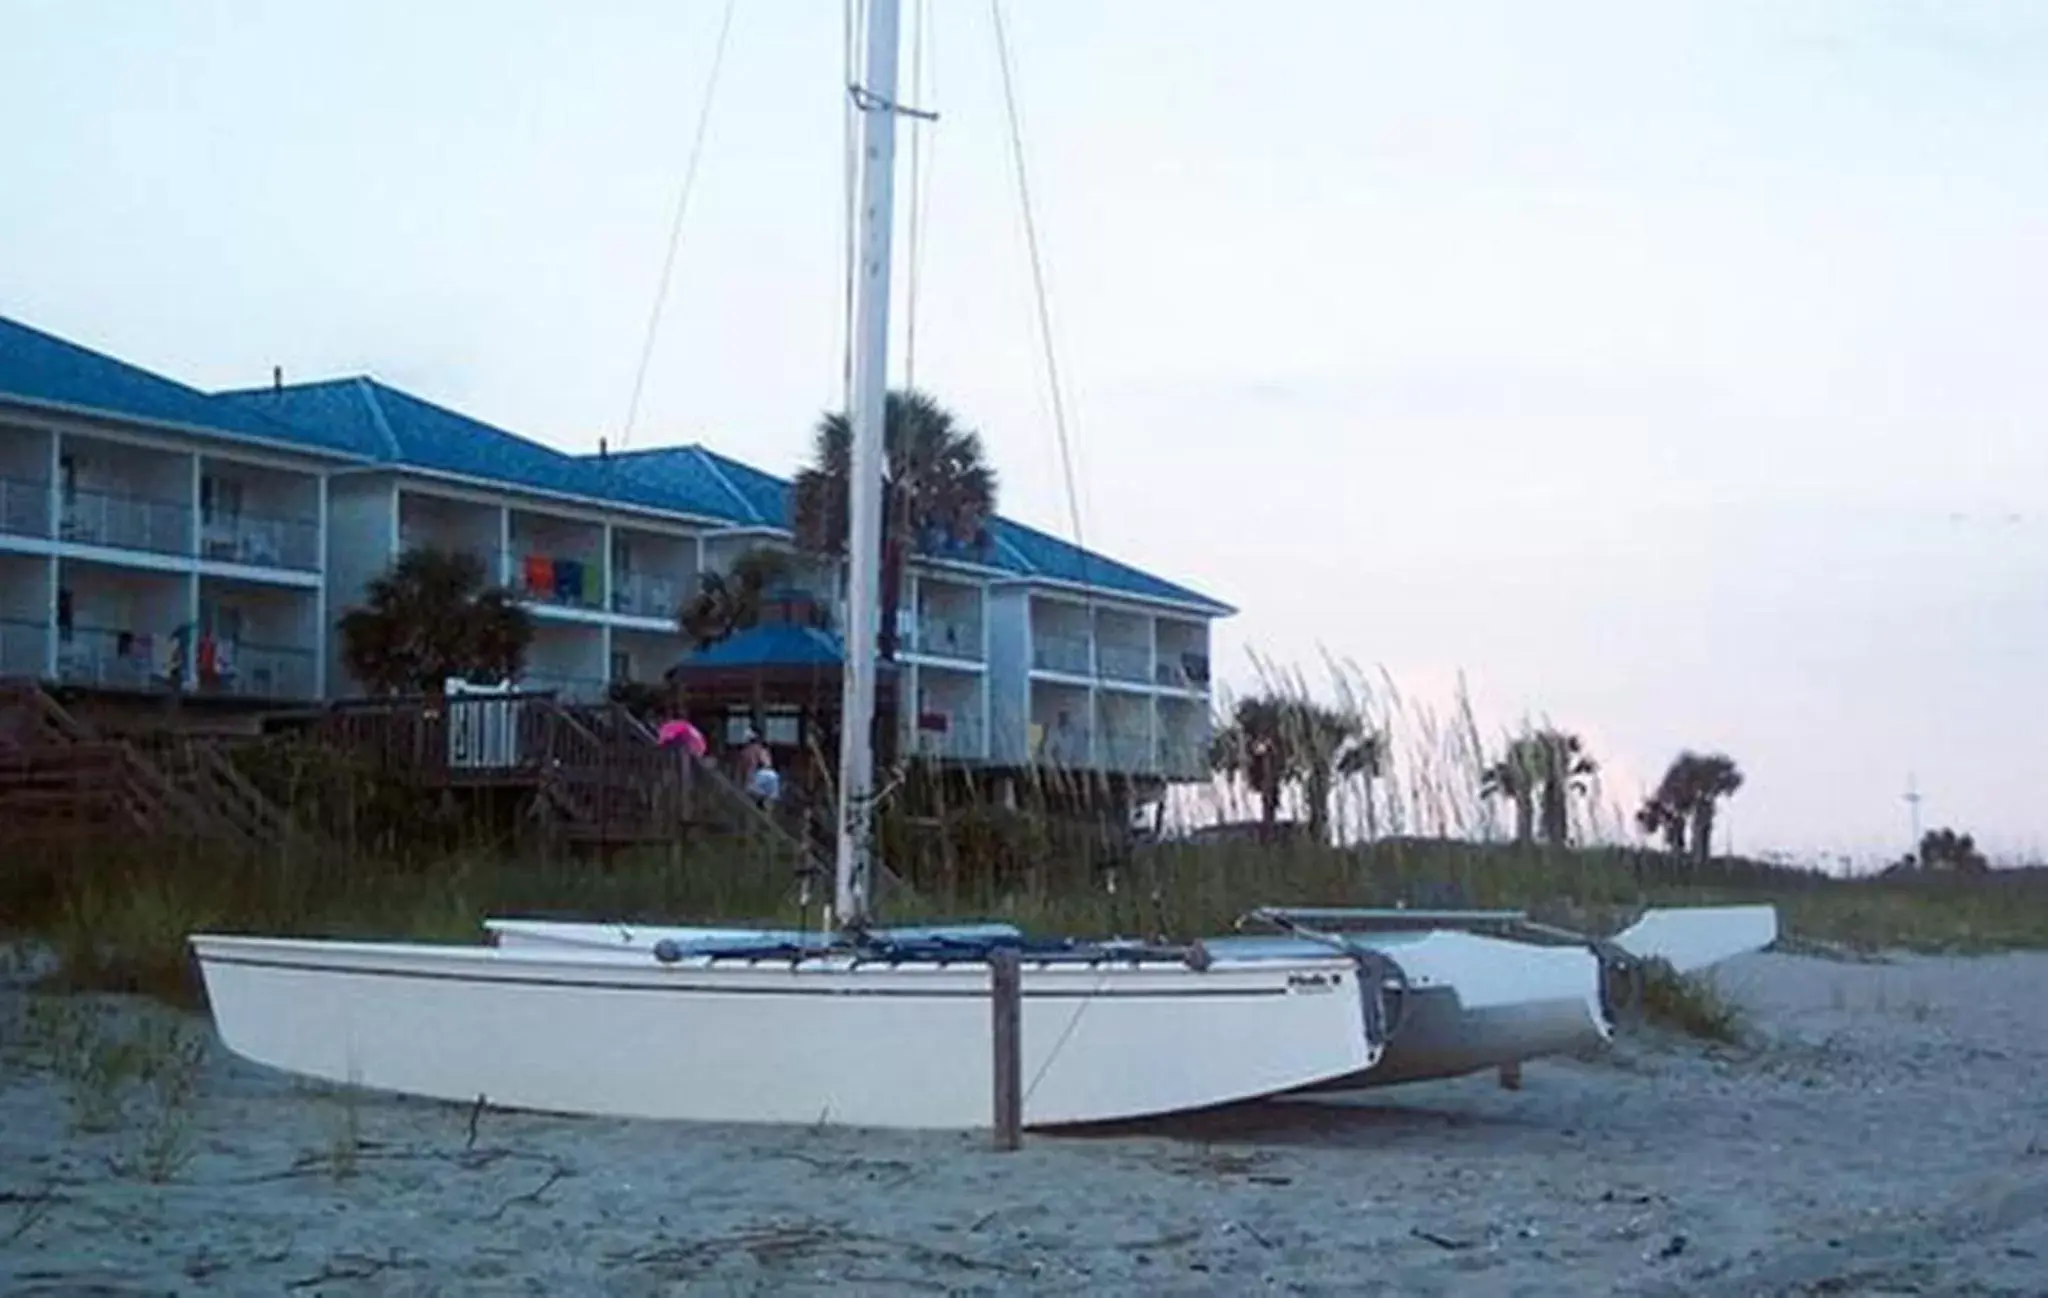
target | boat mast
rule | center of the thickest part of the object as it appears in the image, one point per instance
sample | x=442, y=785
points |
x=875, y=99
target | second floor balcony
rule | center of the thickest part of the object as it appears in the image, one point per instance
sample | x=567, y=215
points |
x=24, y=507
x=24, y=647
x=945, y=637
x=1068, y=654
x=958, y=735
x=261, y=541
x=646, y=594
x=1124, y=662
x=558, y=580
x=124, y=521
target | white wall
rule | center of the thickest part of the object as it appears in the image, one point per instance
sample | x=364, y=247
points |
x=24, y=614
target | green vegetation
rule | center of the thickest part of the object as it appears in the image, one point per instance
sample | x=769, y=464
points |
x=433, y=615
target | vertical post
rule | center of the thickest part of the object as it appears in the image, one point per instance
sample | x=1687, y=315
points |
x=876, y=100
x=1006, y=1013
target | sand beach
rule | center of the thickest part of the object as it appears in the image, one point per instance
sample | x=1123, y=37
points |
x=1885, y=1131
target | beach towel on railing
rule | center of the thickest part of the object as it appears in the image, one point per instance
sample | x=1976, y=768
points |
x=540, y=574
x=569, y=580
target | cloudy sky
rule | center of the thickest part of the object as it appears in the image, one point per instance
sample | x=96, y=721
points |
x=1671, y=370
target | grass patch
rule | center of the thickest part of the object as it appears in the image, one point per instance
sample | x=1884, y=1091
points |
x=123, y=1071
x=1690, y=1004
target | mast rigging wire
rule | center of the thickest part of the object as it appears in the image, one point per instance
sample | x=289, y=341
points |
x=675, y=230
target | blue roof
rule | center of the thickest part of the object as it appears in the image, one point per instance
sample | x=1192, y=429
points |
x=395, y=427
x=754, y=498
x=43, y=370
x=775, y=644
x=705, y=482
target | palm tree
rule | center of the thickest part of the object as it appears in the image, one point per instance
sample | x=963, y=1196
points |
x=730, y=602
x=1945, y=849
x=1253, y=747
x=1692, y=787
x=1517, y=776
x=434, y=615
x=1563, y=769
x=1329, y=745
x=938, y=492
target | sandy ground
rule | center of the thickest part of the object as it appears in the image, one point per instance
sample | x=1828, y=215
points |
x=1888, y=1134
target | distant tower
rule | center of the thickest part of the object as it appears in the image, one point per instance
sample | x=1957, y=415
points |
x=1912, y=797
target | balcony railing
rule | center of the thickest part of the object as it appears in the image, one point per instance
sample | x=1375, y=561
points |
x=1051, y=652
x=1183, y=670
x=24, y=647
x=961, y=738
x=563, y=580
x=569, y=686
x=1126, y=752
x=1124, y=662
x=261, y=541
x=1072, y=746
x=410, y=539
x=943, y=637
x=24, y=507
x=126, y=522
x=645, y=594
x=256, y=671
x=114, y=659
x=1182, y=759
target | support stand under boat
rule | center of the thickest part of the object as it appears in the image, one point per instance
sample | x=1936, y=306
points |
x=1006, y=1014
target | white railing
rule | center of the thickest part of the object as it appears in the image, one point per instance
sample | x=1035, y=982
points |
x=261, y=540
x=1126, y=752
x=24, y=507
x=125, y=522
x=24, y=647
x=644, y=594
x=943, y=637
x=962, y=737
x=1069, y=654
x=1124, y=662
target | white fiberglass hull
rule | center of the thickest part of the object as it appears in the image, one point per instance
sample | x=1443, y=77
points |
x=1468, y=1002
x=781, y=1041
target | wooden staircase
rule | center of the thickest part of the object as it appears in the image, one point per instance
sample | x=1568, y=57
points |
x=61, y=782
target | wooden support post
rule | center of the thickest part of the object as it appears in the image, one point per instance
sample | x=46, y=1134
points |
x=1511, y=1077
x=1006, y=1014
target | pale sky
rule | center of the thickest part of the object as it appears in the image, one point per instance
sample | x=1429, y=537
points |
x=1670, y=369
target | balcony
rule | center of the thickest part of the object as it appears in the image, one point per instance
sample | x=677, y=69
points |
x=942, y=637
x=126, y=522
x=1061, y=653
x=1182, y=759
x=24, y=507
x=1124, y=662
x=559, y=581
x=114, y=659
x=22, y=648
x=1124, y=751
x=256, y=671
x=644, y=594
x=961, y=739
x=261, y=542
x=1184, y=671
x=1071, y=746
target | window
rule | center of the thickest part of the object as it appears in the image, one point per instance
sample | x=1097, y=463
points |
x=64, y=613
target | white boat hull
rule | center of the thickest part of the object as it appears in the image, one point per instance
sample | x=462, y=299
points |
x=1470, y=1002
x=781, y=1041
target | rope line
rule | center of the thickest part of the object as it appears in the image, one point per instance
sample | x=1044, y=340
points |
x=675, y=230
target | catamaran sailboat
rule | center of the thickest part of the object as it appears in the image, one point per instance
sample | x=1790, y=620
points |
x=861, y=1026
